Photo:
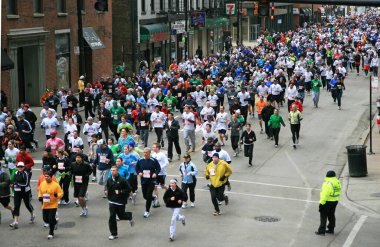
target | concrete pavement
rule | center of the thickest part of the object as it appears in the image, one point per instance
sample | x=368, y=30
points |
x=282, y=185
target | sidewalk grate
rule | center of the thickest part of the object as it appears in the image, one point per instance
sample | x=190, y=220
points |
x=267, y=219
x=68, y=224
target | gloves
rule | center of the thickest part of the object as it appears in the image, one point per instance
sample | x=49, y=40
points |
x=222, y=178
x=207, y=177
x=40, y=199
x=55, y=195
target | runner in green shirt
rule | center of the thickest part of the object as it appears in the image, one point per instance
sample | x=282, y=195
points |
x=116, y=112
x=170, y=101
x=124, y=125
x=316, y=84
x=275, y=122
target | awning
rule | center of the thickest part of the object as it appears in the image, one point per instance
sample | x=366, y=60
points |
x=154, y=32
x=212, y=23
x=305, y=11
x=92, y=38
x=6, y=61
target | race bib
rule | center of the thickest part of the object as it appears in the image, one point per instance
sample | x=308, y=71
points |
x=53, y=146
x=78, y=179
x=86, y=99
x=146, y=173
x=61, y=166
x=129, y=111
x=16, y=188
x=115, y=117
x=183, y=171
x=179, y=94
x=70, y=104
x=142, y=123
x=212, y=172
x=46, y=197
x=102, y=159
x=209, y=153
x=110, y=90
x=232, y=97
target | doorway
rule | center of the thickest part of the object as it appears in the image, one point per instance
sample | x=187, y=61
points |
x=28, y=76
x=88, y=64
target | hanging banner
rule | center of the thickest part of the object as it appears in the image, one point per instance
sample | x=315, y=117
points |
x=375, y=83
x=198, y=19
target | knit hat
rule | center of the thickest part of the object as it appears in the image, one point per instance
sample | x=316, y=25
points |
x=330, y=174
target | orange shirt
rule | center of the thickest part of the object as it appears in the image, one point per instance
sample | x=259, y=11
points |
x=41, y=179
x=260, y=105
x=47, y=191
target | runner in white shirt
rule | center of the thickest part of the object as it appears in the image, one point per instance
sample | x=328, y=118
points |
x=207, y=111
x=49, y=123
x=291, y=94
x=222, y=120
x=213, y=99
x=262, y=90
x=164, y=163
x=91, y=128
x=151, y=103
x=75, y=141
x=199, y=97
x=188, y=119
x=154, y=90
x=44, y=112
x=70, y=127
x=158, y=118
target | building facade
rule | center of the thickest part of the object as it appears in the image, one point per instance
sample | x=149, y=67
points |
x=41, y=38
x=145, y=31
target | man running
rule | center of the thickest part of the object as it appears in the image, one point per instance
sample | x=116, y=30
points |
x=164, y=163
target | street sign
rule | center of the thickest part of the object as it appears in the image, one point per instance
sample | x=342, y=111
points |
x=179, y=26
x=375, y=83
x=230, y=8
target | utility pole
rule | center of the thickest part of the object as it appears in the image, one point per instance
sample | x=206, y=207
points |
x=239, y=30
x=82, y=68
x=186, y=45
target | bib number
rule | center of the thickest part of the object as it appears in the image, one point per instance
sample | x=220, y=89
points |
x=78, y=179
x=146, y=173
x=46, y=198
x=61, y=166
x=212, y=172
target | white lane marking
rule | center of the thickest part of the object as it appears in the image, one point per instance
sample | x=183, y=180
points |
x=243, y=182
x=242, y=194
x=354, y=231
x=308, y=200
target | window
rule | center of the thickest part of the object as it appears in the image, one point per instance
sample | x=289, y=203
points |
x=12, y=7
x=191, y=4
x=82, y=5
x=197, y=4
x=152, y=7
x=62, y=56
x=143, y=6
x=162, y=5
x=61, y=6
x=38, y=6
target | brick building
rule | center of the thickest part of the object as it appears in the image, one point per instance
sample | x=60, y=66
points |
x=41, y=37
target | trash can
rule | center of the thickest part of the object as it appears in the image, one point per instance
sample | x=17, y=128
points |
x=357, y=160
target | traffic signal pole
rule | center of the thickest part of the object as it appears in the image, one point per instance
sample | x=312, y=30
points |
x=82, y=66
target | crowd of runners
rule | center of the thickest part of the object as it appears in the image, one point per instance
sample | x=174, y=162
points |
x=219, y=95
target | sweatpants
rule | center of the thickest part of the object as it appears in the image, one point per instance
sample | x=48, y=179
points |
x=175, y=217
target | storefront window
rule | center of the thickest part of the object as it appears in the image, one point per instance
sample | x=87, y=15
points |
x=62, y=52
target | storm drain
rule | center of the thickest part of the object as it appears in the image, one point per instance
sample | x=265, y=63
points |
x=69, y=224
x=267, y=218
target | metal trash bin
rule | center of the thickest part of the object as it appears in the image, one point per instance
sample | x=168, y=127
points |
x=357, y=160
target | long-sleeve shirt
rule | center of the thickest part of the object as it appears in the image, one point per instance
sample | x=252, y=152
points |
x=275, y=121
x=148, y=167
x=248, y=138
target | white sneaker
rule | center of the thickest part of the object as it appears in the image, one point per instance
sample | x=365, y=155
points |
x=183, y=221
x=192, y=205
x=46, y=225
x=76, y=203
x=184, y=205
x=112, y=237
x=85, y=212
x=66, y=203
x=50, y=237
x=146, y=214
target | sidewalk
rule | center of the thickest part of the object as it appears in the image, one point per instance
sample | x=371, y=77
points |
x=365, y=191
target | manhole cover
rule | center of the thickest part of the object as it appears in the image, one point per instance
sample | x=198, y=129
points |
x=267, y=219
x=69, y=224
x=376, y=194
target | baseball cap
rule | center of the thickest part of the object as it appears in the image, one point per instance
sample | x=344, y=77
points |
x=20, y=164
x=100, y=142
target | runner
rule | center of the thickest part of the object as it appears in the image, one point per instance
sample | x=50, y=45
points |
x=147, y=168
x=188, y=172
x=164, y=163
x=81, y=171
x=49, y=194
x=248, y=137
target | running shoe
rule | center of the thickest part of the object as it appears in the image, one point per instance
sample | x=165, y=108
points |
x=14, y=225
x=146, y=214
x=184, y=221
x=50, y=237
x=112, y=237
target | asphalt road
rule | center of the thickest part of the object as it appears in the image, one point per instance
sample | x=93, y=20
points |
x=283, y=185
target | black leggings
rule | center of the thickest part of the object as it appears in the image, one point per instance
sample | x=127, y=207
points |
x=295, y=129
x=48, y=216
x=65, y=184
x=248, y=152
x=276, y=132
x=191, y=188
x=133, y=182
x=235, y=142
x=147, y=190
x=18, y=197
x=118, y=210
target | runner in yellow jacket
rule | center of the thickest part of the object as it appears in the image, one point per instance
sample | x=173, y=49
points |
x=49, y=194
x=218, y=171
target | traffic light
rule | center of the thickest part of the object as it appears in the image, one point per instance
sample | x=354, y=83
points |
x=101, y=5
x=264, y=8
x=272, y=12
